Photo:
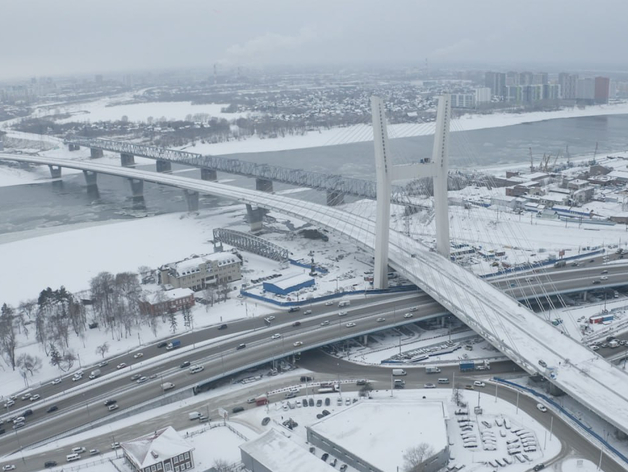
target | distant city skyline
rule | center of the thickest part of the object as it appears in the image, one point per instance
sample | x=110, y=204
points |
x=69, y=37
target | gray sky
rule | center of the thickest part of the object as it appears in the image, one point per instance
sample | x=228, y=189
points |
x=55, y=37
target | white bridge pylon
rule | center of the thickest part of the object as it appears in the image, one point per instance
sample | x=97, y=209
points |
x=387, y=173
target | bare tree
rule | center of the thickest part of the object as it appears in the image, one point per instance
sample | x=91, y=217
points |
x=221, y=465
x=102, y=349
x=8, y=339
x=366, y=390
x=67, y=361
x=31, y=364
x=173, y=322
x=414, y=458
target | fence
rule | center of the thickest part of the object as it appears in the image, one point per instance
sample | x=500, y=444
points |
x=565, y=412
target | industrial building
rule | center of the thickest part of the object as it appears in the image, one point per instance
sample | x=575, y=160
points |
x=169, y=301
x=289, y=283
x=348, y=434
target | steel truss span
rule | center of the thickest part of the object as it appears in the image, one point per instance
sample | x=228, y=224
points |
x=297, y=177
x=505, y=323
x=251, y=243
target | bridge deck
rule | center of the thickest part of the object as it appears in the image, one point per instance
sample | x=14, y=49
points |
x=510, y=327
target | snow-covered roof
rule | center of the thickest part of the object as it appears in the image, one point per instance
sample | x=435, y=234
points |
x=177, y=293
x=277, y=453
x=530, y=183
x=155, y=447
x=536, y=175
x=189, y=266
x=290, y=280
x=402, y=424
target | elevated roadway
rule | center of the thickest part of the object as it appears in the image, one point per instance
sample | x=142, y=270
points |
x=500, y=319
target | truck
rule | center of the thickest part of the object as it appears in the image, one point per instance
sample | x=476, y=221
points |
x=174, y=344
x=94, y=374
x=559, y=264
x=614, y=344
x=167, y=386
x=399, y=372
x=466, y=366
x=432, y=370
x=328, y=389
x=604, y=318
x=261, y=400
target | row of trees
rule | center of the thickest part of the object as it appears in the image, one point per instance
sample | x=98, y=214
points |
x=114, y=303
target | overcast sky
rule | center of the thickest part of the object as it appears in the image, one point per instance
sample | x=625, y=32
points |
x=57, y=37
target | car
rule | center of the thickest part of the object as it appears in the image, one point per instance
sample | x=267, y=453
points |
x=27, y=412
x=468, y=387
x=78, y=450
x=325, y=456
x=35, y=397
x=381, y=320
x=56, y=381
x=596, y=282
x=604, y=272
x=142, y=379
x=429, y=385
x=18, y=425
x=185, y=364
x=19, y=419
x=360, y=382
x=408, y=315
x=307, y=312
x=343, y=313
x=325, y=323
x=538, y=467
x=103, y=363
x=329, y=303
x=115, y=445
x=268, y=319
x=121, y=365
x=350, y=325
x=477, y=383
x=297, y=344
x=111, y=401
x=414, y=308
x=135, y=376
x=113, y=407
x=275, y=336
x=26, y=396
x=542, y=363
x=319, y=402
x=94, y=452
x=52, y=408
x=138, y=355
x=49, y=464
x=265, y=421
x=311, y=402
x=162, y=344
x=240, y=346
x=77, y=377
x=237, y=409
x=292, y=309
x=604, y=277
x=222, y=326
x=251, y=400
x=296, y=323
x=9, y=403
x=327, y=403
x=541, y=407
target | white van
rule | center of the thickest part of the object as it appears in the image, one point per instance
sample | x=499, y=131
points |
x=196, y=368
x=194, y=415
x=399, y=372
x=344, y=303
x=443, y=381
x=72, y=457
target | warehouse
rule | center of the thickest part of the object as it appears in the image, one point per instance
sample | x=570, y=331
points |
x=289, y=283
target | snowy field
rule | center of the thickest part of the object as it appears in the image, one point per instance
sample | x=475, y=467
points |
x=102, y=110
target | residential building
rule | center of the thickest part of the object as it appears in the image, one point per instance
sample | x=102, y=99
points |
x=551, y=92
x=512, y=78
x=526, y=78
x=585, y=90
x=567, y=84
x=540, y=78
x=496, y=81
x=160, y=451
x=462, y=100
x=602, y=89
x=482, y=95
x=198, y=272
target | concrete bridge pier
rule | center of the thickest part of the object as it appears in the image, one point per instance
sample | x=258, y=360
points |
x=55, y=172
x=163, y=166
x=137, y=188
x=255, y=217
x=335, y=198
x=91, y=178
x=126, y=159
x=365, y=340
x=264, y=185
x=209, y=174
x=73, y=147
x=95, y=153
x=192, y=198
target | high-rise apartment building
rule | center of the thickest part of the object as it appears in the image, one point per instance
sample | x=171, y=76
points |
x=567, y=84
x=601, y=89
x=496, y=81
x=482, y=95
